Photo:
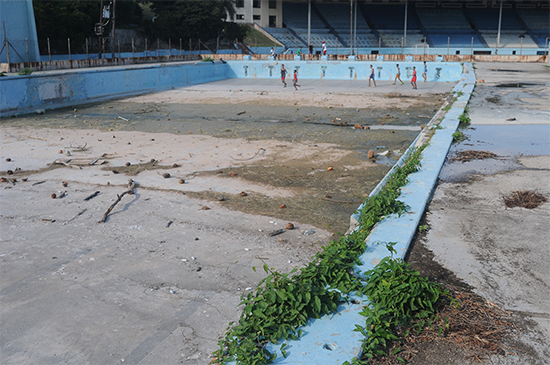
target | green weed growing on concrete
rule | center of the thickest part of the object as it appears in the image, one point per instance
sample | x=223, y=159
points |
x=282, y=303
x=398, y=295
x=24, y=71
x=464, y=120
x=458, y=137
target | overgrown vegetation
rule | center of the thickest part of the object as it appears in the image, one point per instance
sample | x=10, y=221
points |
x=398, y=295
x=284, y=302
x=255, y=38
x=24, y=71
x=464, y=120
x=458, y=137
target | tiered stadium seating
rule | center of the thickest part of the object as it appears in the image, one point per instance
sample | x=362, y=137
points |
x=508, y=39
x=538, y=22
x=284, y=36
x=387, y=22
x=390, y=17
x=338, y=16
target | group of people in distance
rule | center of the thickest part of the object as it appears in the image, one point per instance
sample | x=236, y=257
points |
x=299, y=52
x=398, y=75
x=371, y=77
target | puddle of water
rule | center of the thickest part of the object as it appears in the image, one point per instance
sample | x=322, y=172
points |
x=505, y=70
x=507, y=141
x=519, y=84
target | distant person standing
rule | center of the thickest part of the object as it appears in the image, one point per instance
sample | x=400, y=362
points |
x=310, y=49
x=371, y=77
x=283, y=75
x=295, y=80
x=324, y=46
x=398, y=76
x=425, y=73
x=299, y=52
x=413, y=80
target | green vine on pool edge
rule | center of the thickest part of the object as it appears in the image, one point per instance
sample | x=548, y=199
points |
x=398, y=295
x=282, y=303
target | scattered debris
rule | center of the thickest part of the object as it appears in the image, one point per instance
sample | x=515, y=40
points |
x=289, y=226
x=282, y=206
x=65, y=184
x=131, y=186
x=240, y=113
x=525, y=199
x=182, y=181
x=78, y=215
x=510, y=119
x=124, y=119
x=260, y=151
x=53, y=196
x=39, y=182
x=128, y=164
x=469, y=155
x=47, y=220
x=274, y=233
x=166, y=175
x=169, y=224
x=42, y=139
x=242, y=193
x=64, y=162
x=91, y=196
x=205, y=208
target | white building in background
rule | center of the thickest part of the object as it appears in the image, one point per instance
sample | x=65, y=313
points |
x=265, y=13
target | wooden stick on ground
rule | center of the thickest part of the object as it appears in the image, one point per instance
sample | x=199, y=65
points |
x=42, y=139
x=131, y=186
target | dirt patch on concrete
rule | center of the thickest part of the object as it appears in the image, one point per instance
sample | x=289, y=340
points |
x=275, y=149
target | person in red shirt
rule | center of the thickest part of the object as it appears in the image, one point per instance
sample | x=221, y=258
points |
x=413, y=80
x=295, y=80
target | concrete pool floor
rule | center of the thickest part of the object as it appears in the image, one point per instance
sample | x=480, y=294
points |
x=158, y=282
x=502, y=253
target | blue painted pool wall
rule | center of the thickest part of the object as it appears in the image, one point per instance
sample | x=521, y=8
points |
x=20, y=94
x=344, y=70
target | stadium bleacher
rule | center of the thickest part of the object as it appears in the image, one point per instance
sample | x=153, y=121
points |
x=330, y=22
x=443, y=19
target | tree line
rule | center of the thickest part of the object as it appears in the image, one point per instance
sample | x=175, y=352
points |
x=58, y=20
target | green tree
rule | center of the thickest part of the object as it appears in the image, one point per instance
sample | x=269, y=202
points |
x=195, y=19
x=75, y=19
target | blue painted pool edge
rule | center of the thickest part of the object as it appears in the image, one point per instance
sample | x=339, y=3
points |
x=331, y=340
